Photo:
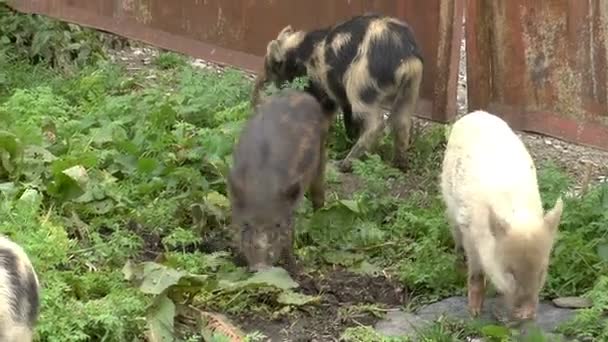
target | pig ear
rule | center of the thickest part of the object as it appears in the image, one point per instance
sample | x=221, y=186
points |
x=553, y=217
x=274, y=50
x=498, y=226
x=287, y=30
x=292, y=192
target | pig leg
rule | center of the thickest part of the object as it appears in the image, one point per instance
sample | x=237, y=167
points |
x=351, y=125
x=288, y=256
x=476, y=286
x=461, y=258
x=402, y=112
x=373, y=126
x=317, y=188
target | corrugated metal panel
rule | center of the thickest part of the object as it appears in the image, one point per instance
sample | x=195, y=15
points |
x=541, y=65
x=236, y=32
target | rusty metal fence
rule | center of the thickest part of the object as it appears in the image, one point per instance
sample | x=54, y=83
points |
x=541, y=65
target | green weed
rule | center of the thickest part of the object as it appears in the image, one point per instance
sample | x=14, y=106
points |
x=43, y=40
x=169, y=60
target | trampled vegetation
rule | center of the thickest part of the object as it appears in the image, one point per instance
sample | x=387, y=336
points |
x=114, y=183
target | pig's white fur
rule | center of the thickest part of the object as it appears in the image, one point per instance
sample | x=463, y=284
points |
x=11, y=330
x=487, y=167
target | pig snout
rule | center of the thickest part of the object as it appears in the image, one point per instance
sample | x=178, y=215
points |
x=525, y=312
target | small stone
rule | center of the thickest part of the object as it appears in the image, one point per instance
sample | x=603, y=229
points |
x=573, y=302
x=548, y=316
x=548, y=142
x=399, y=323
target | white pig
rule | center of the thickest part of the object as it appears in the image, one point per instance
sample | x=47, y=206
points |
x=19, y=293
x=494, y=209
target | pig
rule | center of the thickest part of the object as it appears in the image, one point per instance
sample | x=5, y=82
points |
x=279, y=155
x=495, y=214
x=360, y=65
x=19, y=293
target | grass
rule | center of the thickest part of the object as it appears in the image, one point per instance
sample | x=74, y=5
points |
x=114, y=183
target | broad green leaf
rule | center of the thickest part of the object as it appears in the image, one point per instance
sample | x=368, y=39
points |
x=352, y=205
x=31, y=196
x=160, y=320
x=39, y=153
x=154, y=278
x=78, y=174
x=496, y=331
x=103, y=134
x=41, y=38
x=157, y=278
x=273, y=276
x=10, y=143
x=70, y=183
x=131, y=271
x=294, y=298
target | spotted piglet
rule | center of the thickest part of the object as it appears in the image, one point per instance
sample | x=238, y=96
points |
x=19, y=293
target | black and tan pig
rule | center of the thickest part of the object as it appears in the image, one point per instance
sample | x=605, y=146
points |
x=360, y=65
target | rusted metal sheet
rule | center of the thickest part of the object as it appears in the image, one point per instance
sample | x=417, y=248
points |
x=235, y=32
x=541, y=65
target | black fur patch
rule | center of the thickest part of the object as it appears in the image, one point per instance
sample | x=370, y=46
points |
x=295, y=58
x=369, y=94
x=407, y=37
x=387, y=52
x=20, y=288
x=340, y=61
x=31, y=288
x=327, y=104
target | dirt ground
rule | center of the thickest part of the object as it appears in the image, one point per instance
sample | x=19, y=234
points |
x=341, y=289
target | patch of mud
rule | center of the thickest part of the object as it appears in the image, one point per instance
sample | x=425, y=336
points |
x=326, y=321
x=320, y=324
x=344, y=287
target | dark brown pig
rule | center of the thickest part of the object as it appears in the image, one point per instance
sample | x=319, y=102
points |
x=280, y=154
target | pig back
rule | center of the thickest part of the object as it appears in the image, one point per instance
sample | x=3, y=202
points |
x=280, y=144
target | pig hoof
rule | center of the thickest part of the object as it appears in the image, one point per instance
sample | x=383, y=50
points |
x=474, y=310
x=345, y=166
